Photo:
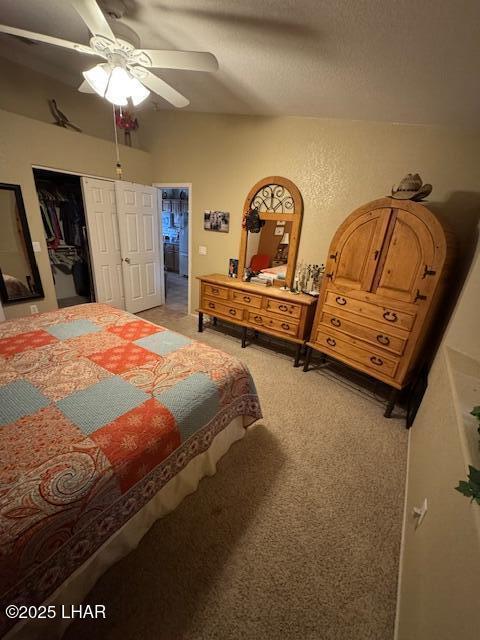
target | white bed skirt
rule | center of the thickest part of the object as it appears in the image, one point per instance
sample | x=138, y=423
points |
x=77, y=586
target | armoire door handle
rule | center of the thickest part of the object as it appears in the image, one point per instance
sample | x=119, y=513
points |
x=127, y=260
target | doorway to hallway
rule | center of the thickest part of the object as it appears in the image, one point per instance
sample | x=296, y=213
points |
x=175, y=216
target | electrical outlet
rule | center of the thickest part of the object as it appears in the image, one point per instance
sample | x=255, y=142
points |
x=202, y=250
x=420, y=512
x=33, y=308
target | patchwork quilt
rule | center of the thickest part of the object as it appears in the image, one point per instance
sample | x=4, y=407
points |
x=98, y=410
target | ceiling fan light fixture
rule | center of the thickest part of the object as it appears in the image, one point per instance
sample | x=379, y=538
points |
x=138, y=92
x=97, y=78
x=118, y=88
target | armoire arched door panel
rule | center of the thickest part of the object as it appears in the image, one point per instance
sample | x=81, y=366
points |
x=357, y=250
x=409, y=249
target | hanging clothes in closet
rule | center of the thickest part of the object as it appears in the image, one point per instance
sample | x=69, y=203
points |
x=63, y=219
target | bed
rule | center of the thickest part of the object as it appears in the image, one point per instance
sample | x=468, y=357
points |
x=106, y=422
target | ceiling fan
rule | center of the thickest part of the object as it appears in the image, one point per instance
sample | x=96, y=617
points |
x=125, y=73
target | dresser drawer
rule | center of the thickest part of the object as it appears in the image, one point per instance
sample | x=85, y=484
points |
x=386, y=365
x=243, y=297
x=379, y=337
x=215, y=292
x=284, y=308
x=282, y=326
x=386, y=315
x=226, y=310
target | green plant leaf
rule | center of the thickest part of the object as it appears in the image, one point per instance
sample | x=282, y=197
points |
x=464, y=488
x=476, y=412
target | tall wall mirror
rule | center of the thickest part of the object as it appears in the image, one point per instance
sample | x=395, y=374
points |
x=19, y=276
x=271, y=223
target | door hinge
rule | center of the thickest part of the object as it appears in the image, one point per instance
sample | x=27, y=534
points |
x=333, y=256
x=329, y=275
x=419, y=296
x=428, y=272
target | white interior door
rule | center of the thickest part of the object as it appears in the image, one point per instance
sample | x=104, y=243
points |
x=142, y=261
x=102, y=224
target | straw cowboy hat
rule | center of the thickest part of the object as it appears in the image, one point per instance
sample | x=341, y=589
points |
x=411, y=188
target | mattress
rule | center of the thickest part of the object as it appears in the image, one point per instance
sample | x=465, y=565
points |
x=99, y=410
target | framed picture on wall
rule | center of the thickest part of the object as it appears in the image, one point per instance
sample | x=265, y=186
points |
x=232, y=268
x=216, y=221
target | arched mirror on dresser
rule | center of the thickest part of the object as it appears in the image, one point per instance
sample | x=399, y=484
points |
x=271, y=224
x=260, y=299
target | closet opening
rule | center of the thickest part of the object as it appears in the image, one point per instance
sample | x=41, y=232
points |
x=175, y=220
x=63, y=215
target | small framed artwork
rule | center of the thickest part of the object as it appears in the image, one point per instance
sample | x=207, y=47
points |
x=216, y=221
x=232, y=268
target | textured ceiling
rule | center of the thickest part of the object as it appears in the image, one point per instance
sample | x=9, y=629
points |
x=390, y=60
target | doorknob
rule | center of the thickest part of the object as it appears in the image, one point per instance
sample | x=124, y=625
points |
x=127, y=260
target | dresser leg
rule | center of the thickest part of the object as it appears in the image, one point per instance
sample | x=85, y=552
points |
x=308, y=355
x=244, y=337
x=200, y=322
x=298, y=353
x=392, y=399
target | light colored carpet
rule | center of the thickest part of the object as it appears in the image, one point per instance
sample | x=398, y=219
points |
x=296, y=536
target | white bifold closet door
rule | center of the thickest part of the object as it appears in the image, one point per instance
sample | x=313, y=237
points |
x=104, y=238
x=125, y=248
x=140, y=241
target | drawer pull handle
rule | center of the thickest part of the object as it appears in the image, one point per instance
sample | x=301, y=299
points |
x=377, y=361
x=383, y=339
x=390, y=316
x=214, y=290
x=283, y=307
x=331, y=342
x=247, y=299
x=232, y=312
x=335, y=321
x=285, y=326
x=211, y=305
x=341, y=301
x=258, y=319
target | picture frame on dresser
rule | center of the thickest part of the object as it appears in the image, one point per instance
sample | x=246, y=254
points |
x=271, y=310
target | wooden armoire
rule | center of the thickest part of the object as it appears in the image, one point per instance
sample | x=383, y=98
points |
x=384, y=278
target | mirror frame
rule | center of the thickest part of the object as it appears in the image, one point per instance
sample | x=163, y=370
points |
x=288, y=206
x=16, y=188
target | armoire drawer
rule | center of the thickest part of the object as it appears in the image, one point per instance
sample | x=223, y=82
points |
x=369, y=358
x=284, y=308
x=282, y=326
x=243, y=297
x=386, y=315
x=214, y=291
x=378, y=337
x=226, y=310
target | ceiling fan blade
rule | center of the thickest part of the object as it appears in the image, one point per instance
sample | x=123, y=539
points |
x=40, y=37
x=188, y=60
x=160, y=87
x=93, y=17
x=85, y=87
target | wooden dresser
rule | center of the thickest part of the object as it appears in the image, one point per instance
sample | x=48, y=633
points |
x=265, y=309
x=383, y=284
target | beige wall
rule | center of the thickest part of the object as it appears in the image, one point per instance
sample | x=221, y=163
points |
x=27, y=92
x=440, y=577
x=338, y=165
x=25, y=142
